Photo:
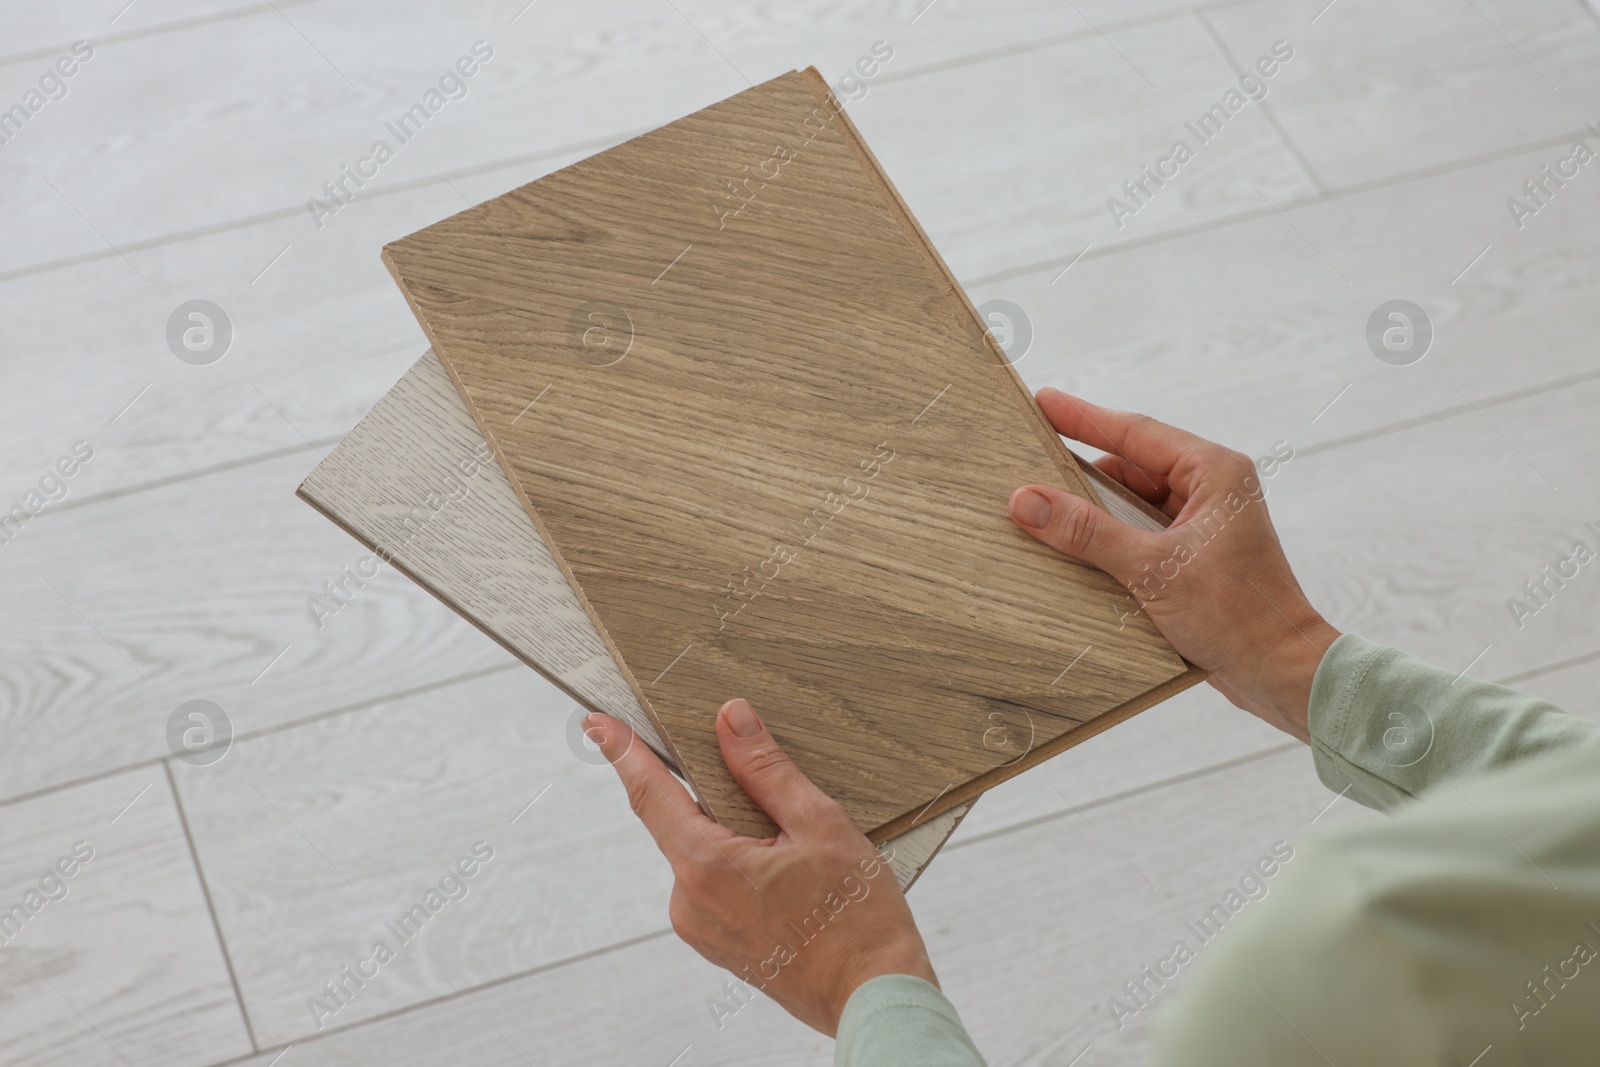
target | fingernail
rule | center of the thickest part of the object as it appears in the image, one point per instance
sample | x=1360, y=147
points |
x=594, y=728
x=1030, y=508
x=742, y=718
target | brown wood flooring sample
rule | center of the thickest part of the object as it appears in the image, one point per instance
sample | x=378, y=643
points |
x=414, y=482
x=770, y=442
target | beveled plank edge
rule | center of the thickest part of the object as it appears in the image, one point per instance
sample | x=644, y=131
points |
x=975, y=787
x=961, y=814
x=1156, y=519
x=1065, y=462
x=672, y=757
x=1134, y=500
x=439, y=595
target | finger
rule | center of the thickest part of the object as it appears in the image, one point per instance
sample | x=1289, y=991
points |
x=766, y=772
x=1072, y=525
x=1153, y=448
x=665, y=807
x=1135, y=479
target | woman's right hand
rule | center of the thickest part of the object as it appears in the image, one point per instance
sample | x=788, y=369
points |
x=1216, y=582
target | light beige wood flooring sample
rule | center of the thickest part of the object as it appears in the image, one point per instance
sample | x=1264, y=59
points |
x=414, y=482
x=771, y=442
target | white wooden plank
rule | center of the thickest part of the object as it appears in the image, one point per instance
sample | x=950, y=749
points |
x=316, y=339
x=1099, y=115
x=1573, y=686
x=119, y=962
x=1032, y=184
x=119, y=612
x=232, y=151
x=416, y=482
x=768, y=38
x=36, y=31
x=1427, y=555
x=1248, y=333
x=1378, y=94
x=314, y=838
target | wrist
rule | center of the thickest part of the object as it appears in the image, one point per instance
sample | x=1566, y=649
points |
x=1287, y=671
x=909, y=960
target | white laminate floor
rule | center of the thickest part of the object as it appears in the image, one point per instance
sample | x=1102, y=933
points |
x=371, y=752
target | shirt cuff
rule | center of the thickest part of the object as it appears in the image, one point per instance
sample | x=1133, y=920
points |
x=1363, y=739
x=897, y=1019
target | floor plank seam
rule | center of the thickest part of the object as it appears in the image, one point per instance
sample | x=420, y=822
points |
x=1446, y=413
x=211, y=909
x=1045, y=43
x=200, y=472
x=1128, y=794
x=1266, y=108
x=217, y=229
x=600, y=144
x=321, y=716
x=1550, y=668
x=156, y=30
x=492, y=983
x=1239, y=218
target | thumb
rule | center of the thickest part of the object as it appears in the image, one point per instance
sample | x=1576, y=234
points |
x=1072, y=525
x=766, y=772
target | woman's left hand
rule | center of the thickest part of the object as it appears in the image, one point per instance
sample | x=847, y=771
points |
x=807, y=916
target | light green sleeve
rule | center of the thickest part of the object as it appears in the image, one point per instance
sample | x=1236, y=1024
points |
x=899, y=1020
x=1385, y=725
x=1464, y=930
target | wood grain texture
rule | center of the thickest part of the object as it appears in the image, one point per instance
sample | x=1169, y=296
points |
x=1363, y=103
x=586, y=68
x=902, y=684
x=480, y=554
x=123, y=966
x=119, y=611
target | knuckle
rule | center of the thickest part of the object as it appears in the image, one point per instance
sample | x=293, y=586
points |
x=1078, y=529
x=822, y=810
x=1237, y=465
x=681, y=916
x=689, y=875
x=765, y=759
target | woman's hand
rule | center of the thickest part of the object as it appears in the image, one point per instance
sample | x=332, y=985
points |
x=1216, y=582
x=806, y=916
